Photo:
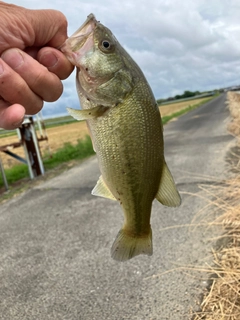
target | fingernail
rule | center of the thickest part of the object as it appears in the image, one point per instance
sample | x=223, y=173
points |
x=48, y=59
x=13, y=58
x=18, y=123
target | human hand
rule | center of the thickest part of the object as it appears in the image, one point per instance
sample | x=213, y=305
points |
x=31, y=66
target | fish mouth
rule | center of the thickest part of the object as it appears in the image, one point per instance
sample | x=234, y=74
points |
x=80, y=41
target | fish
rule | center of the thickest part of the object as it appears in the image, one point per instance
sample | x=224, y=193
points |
x=126, y=129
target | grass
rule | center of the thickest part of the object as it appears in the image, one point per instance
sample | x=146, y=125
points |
x=81, y=150
x=59, y=121
x=7, y=133
x=179, y=113
x=15, y=173
x=222, y=300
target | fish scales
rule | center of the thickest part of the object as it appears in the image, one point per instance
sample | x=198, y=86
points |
x=124, y=158
x=126, y=130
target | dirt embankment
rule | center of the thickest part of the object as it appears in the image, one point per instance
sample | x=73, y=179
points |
x=222, y=301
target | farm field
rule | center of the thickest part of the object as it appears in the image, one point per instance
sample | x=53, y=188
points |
x=168, y=109
x=72, y=132
x=57, y=137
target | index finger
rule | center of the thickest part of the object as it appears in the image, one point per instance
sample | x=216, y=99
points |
x=55, y=61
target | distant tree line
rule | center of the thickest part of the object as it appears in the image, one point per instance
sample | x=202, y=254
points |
x=186, y=94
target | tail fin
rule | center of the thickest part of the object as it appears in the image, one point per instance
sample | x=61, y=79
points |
x=127, y=246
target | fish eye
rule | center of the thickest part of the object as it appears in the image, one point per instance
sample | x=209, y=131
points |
x=106, y=44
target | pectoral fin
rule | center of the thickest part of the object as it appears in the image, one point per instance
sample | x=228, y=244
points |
x=167, y=193
x=87, y=113
x=101, y=190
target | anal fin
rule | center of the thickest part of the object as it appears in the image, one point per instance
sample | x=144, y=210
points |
x=167, y=193
x=102, y=190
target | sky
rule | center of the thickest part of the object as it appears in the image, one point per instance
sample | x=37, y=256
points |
x=179, y=45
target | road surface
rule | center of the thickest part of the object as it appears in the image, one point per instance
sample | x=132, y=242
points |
x=55, y=239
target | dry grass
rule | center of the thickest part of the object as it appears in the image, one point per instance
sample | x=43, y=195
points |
x=234, y=106
x=222, y=301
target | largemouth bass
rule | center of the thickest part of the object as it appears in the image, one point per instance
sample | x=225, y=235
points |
x=126, y=130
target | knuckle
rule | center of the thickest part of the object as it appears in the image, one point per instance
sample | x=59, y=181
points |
x=54, y=92
x=40, y=76
x=34, y=106
x=64, y=68
x=19, y=92
x=14, y=89
x=47, y=85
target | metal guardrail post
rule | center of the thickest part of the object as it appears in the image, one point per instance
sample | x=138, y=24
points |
x=31, y=148
x=29, y=141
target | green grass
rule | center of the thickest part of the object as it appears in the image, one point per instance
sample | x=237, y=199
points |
x=60, y=121
x=15, y=173
x=5, y=133
x=68, y=152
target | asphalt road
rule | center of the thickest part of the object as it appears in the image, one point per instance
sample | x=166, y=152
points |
x=55, y=239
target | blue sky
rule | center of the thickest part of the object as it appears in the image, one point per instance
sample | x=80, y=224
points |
x=180, y=45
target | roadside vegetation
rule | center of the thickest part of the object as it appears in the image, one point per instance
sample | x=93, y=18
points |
x=68, y=140
x=81, y=150
x=222, y=300
x=68, y=152
x=180, y=108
